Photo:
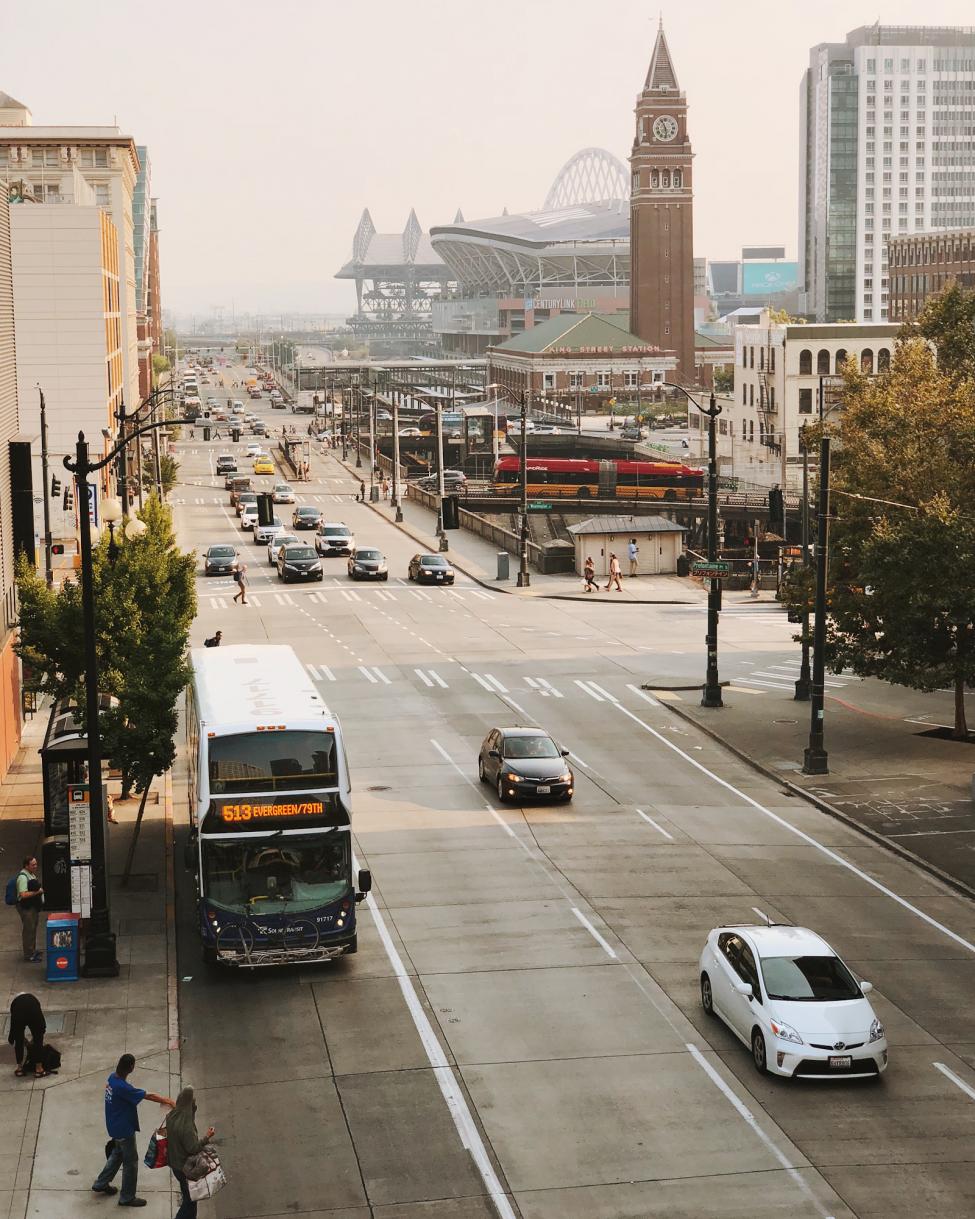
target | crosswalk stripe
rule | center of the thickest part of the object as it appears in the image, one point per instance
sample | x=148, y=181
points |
x=423, y=677
x=381, y=675
x=277, y=597
x=477, y=592
x=316, y=676
x=592, y=693
x=605, y=693
x=349, y=595
x=497, y=685
x=369, y=676
x=438, y=679
x=288, y=599
x=327, y=673
x=480, y=680
x=551, y=689
x=255, y=601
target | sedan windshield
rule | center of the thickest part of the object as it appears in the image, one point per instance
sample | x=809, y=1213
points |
x=331, y=531
x=370, y=555
x=221, y=552
x=530, y=747
x=808, y=979
x=432, y=560
x=307, y=512
x=298, y=552
x=293, y=874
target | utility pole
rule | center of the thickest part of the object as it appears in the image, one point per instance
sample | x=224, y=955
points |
x=524, y=579
x=712, y=687
x=802, y=681
x=395, y=395
x=441, y=532
x=816, y=759
x=48, y=559
x=372, y=445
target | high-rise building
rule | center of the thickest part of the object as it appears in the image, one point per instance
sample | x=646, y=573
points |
x=154, y=316
x=141, y=215
x=41, y=161
x=10, y=713
x=661, y=216
x=886, y=148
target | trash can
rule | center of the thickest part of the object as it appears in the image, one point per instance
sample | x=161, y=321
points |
x=683, y=565
x=206, y=433
x=235, y=434
x=63, y=946
x=503, y=558
x=374, y=494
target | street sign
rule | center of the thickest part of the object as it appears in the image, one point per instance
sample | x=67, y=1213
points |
x=538, y=506
x=719, y=568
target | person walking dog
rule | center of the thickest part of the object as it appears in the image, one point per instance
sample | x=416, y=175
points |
x=122, y=1122
x=184, y=1141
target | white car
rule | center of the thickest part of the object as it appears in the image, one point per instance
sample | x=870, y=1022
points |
x=282, y=494
x=253, y=449
x=264, y=533
x=411, y=433
x=237, y=406
x=787, y=995
x=279, y=540
x=248, y=517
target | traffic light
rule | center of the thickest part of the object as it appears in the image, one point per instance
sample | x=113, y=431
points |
x=55, y=486
x=57, y=548
x=68, y=500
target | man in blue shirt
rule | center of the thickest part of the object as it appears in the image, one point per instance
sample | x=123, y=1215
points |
x=122, y=1122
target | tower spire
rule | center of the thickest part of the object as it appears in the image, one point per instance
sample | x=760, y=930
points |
x=661, y=76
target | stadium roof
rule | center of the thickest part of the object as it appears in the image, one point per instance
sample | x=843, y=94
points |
x=607, y=220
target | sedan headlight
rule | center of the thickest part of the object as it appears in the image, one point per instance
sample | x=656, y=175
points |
x=785, y=1032
x=512, y=777
x=565, y=776
x=877, y=1031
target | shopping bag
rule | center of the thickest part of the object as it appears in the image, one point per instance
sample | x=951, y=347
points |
x=157, y=1152
x=210, y=1185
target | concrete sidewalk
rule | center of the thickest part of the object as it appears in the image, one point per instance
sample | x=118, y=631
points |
x=890, y=773
x=52, y=1131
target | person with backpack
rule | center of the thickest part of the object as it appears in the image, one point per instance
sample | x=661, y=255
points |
x=24, y=891
x=26, y=1015
x=122, y=1122
x=240, y=579
x=589, y=575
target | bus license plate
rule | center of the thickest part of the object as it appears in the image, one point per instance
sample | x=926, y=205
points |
x=543, y=789
x=840, y=1062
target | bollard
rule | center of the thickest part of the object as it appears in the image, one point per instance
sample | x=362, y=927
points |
x=503, y=560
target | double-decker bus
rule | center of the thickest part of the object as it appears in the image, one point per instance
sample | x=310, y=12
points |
x=270, y=811
x=554, y=477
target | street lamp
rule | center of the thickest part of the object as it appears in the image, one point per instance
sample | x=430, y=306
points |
x=100, y=958
x=712, y=689
x=524, y=576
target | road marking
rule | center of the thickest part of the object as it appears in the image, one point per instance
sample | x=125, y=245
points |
x=642, y=694
x=327, y=673
x=452, y=1092
x=659, y=828
x=316, y=676
x=481, y=682
x=496, y=684
x=607, y=948
x=550, y=688
x=477, y=592
x=370, y=676
x=584, y=765
x=807, y=838
x=959, y=1083
x=744, y=1112
x=583, y=685
x=761, y=914
x=381, y=675
x=349, y=595
x=477, y=787
x=605, y=693
x=288, y=599
x=423, y=677
x=438, y=679
x=533, y=684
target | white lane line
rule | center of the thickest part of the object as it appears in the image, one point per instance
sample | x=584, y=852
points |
x=642, y=694
x=744, y=1112
x=807, y=838
x=659, y=828
x=530, y=681
x=517, y=706
x=550, y=688
x=761, y=914
x=607, y=948
x=438, y=679
x=584, y=765
x=316, y=676
x=481, y=682
x=452, y=1092
x=381, y=675
x=423, y=677
x=497, y=685
x=477, y=787
x=605, y=693
x=370, y=676
x=327, y=673
x=584, y=686
x=959, y=1083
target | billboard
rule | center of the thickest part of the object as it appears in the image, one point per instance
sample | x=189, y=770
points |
x=761, y=278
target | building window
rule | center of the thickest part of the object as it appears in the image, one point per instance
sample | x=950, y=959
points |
x=751, y=395
x=602, y=380
x=805, y=402
x=822, y=363
x=761, y=359
x=805, y=363
x=577, y=380
x=548, y=380
x=840, y=359
x=101, y=194
x=744, y=394
x=866, y=360
x=631, y=379
x=883, y=360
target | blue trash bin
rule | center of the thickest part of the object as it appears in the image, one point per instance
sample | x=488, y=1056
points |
x=63, y=947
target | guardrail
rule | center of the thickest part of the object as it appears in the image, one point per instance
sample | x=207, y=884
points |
x=473, y=523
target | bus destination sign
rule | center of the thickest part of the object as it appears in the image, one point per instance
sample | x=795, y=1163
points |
x=260, y=814
x=233, y=813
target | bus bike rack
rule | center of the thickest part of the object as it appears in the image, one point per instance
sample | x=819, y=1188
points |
x=235, y=946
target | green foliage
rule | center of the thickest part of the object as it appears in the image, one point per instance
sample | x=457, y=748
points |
x=159, y=365
x=902, y=595
x=724, y=380
x=798, y=588
x=168, y=470
x=145, y=602
x=948, y=320
x=782, y=317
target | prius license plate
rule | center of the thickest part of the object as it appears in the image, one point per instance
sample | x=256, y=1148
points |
x=840, y=1062
x=543, y=789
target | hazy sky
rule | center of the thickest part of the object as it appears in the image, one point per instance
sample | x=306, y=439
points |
x=271, y=126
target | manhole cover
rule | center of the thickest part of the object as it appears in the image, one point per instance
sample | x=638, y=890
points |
x=378, y=787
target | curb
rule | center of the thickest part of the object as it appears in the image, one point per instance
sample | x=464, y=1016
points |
x=959, y=886
x=172, y=986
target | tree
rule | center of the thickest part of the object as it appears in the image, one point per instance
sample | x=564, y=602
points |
x=902, y=590
x=168, y=471
x=948, y=321
x=724, y=380
x=159, y=365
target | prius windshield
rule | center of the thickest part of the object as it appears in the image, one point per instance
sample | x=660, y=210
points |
x=276, y=875
x=809, y=979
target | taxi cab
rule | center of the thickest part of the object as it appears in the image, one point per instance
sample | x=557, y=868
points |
x=263, y=465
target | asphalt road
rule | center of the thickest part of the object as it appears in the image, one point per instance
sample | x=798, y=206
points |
x=521, y=1032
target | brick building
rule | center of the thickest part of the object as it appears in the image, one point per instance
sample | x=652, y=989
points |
x=921, y=264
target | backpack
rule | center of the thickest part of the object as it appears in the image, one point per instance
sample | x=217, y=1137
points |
x=236, y=577
x=10, y=893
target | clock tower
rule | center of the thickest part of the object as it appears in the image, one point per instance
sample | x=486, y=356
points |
x=661, y=217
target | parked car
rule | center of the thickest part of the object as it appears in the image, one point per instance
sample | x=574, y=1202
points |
x=367, y=563
x=525, y=762
x=219, y=560
x=430, y=569
x=334, y=538
x=299, y=562
x=453, y=480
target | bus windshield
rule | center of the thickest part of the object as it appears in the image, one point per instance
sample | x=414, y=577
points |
x=276, y=875
x=272, y=761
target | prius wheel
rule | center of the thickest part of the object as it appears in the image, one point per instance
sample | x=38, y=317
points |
x=758, y=1052
x=707, y=1000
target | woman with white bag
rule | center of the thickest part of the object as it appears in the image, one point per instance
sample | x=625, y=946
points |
x=184, y=1143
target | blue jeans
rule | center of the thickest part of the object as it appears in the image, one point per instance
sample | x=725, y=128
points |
x=187, y=1208
x=124, y=1155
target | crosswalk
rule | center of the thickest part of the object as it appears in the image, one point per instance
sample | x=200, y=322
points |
x=761, y=612
x=783, y=677
x=336, y=595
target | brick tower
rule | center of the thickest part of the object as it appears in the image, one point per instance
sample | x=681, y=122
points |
x=661, y=216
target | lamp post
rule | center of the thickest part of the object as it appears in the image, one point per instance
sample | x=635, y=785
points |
x=48, y=559
x=100, y=958
x=815, y=758
x=442, y=543
x=711, y=696
x=395, y=395
x=802, y=681
x=358, y=420
x=524, y=579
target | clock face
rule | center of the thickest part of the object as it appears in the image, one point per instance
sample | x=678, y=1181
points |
x=665, y=127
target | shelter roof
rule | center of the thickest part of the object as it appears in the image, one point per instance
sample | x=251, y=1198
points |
x=626, y=524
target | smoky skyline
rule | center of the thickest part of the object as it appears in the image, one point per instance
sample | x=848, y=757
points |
x=270, y=128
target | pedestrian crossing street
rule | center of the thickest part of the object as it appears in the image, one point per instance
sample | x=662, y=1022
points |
x=338, y=596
